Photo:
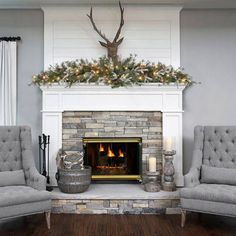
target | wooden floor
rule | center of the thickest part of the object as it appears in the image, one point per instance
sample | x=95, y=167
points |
x=120, y=225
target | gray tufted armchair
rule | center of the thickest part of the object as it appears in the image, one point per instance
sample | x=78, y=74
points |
x=22, y=188
x=210, y=185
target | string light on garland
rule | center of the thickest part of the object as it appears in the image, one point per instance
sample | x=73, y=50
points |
x=126, y=72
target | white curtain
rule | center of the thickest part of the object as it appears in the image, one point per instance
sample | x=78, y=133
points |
x=8, y=83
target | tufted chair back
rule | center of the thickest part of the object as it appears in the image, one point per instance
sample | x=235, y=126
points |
x=16, y=151
x=10, y=148
x=219, y=146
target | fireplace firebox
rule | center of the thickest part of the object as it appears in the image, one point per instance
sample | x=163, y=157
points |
x=113, y=158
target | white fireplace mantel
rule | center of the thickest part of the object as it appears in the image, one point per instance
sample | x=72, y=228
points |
x=91, y=97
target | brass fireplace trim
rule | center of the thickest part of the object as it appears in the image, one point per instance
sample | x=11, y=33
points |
x=115, y=140
x=116, y=177
x=112, y=140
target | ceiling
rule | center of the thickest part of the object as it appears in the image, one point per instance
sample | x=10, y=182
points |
x=185, y=3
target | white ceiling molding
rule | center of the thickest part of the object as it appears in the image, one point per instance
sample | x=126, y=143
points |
x=29, y=4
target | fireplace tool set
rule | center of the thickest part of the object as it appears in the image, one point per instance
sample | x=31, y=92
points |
x=44, y=142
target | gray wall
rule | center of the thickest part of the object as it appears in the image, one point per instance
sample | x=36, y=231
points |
x=208, y=53
x=29, y=25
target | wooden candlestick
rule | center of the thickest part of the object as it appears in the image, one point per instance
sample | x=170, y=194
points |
x=151, y=181
x=169, y=171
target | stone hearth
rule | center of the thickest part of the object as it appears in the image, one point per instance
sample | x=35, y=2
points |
x=116, y=199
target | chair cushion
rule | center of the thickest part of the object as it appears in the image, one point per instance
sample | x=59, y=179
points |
x=217, y=208
x=215, y=175
x=9, y=178
x=15, y=195
x=211, y=192
x=24, y=209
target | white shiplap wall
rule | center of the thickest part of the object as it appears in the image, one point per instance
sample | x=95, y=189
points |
x=151, y=32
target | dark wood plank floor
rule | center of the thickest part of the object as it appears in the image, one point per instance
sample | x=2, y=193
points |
x=120, y=225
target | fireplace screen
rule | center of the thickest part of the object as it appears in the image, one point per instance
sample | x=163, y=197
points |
x=113, y=158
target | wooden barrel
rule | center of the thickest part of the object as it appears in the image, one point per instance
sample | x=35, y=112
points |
x=75, y=180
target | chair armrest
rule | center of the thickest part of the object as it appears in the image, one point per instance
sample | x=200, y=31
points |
x=192, y=178
x=36, y=180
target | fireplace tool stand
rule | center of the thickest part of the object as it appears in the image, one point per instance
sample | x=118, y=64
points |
x=44, y=142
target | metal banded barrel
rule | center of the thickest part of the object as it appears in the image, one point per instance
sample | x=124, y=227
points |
x=75, y=180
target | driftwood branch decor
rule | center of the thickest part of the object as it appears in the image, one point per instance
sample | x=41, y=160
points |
x=112, y=46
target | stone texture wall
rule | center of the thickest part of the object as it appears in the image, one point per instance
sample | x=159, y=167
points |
x=160, y=206
x=146, y=125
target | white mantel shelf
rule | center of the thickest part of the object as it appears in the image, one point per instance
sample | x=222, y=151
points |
x=97, y=87
x=148, y=97
x=92, y=97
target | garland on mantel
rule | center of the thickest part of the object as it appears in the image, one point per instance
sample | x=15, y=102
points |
x=125, y=72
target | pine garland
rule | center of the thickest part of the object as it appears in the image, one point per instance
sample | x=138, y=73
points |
x=125, y=72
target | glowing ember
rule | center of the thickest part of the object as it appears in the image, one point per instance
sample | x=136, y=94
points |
x=110, y=153
x=121, y=154
x=101, y=148
x=109, y=167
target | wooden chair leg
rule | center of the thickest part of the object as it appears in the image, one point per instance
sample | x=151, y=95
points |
x=48, y=214
x=183, y=217
x=200, y=216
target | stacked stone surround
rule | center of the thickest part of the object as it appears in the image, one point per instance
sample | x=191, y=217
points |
x=146, y=125
x=120, y=206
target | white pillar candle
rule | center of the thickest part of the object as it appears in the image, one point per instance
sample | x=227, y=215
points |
x=152, y=164
x=168, y=144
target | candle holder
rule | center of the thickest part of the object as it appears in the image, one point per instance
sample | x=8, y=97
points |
x=151, y=181
x=169, y=171
x=151, y=177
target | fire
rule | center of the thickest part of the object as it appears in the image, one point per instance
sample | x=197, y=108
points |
x=101, y=148
x=110, y=153
x=121, y=154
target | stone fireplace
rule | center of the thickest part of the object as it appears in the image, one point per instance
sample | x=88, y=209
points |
x=150, y=112
x=116, y=144
x=68, y=35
